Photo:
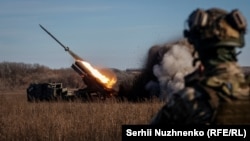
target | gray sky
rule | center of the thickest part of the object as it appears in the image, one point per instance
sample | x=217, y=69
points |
x=106, y=33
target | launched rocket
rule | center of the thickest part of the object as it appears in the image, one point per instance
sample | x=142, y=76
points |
x=76, y=57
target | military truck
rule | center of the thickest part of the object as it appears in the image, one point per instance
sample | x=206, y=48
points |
x=48, y=92
x=101, y=83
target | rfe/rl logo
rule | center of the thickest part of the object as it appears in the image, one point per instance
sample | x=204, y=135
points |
x=225, y=132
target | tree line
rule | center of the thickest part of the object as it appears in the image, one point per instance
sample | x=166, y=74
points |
x=20, y=75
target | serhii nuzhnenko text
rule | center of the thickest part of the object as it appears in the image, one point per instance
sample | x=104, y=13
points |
x=161, y=132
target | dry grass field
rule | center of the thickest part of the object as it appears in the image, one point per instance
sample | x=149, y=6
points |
x=66, y=121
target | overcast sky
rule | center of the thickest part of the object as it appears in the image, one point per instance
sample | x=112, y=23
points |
x=106, y=33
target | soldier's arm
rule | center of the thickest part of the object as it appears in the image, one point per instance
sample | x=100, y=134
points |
x=187, y=107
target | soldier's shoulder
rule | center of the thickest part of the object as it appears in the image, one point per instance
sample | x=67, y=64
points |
x=189, y=93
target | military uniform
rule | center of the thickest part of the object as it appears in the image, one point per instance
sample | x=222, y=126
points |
x=219, y=93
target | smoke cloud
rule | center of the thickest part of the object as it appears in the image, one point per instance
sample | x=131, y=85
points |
x=174, y=62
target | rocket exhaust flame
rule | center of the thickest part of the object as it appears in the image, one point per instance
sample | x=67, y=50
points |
x=108, y=80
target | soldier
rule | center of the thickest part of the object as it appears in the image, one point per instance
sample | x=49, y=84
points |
x=211, y=91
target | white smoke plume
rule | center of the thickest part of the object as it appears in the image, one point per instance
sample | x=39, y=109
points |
x=175, y=61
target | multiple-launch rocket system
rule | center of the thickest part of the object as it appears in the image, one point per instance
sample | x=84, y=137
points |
x=94, y=78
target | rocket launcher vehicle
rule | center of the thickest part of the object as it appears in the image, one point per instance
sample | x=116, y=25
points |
x=101, y=80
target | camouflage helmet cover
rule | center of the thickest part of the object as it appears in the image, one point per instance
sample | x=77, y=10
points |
x=216, y=27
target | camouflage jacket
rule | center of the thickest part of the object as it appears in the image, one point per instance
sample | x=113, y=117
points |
x=189, y=106
x=204, y=97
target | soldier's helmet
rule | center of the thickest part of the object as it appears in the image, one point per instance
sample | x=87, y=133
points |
x=215, y=27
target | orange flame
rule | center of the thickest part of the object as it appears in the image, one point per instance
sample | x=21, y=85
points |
x=108, y=81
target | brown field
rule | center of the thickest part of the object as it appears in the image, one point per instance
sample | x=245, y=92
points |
x=64, y=121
